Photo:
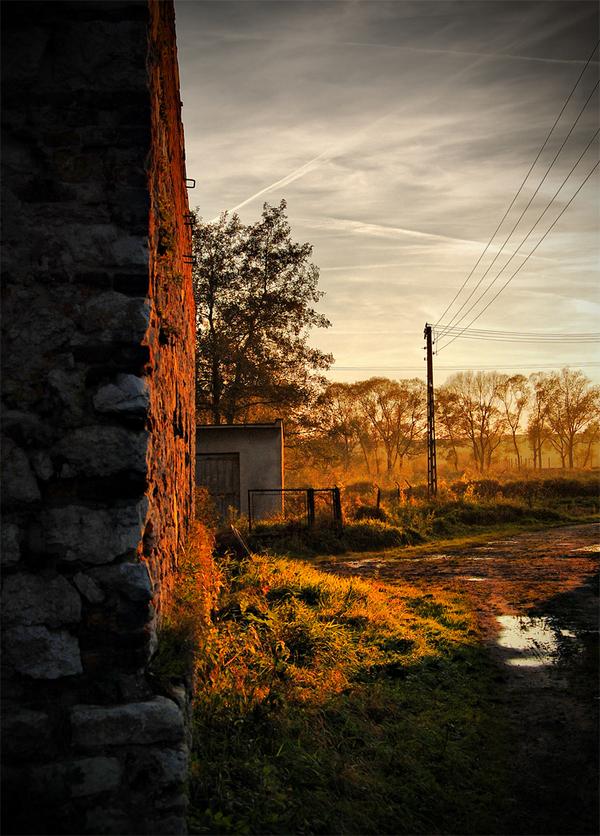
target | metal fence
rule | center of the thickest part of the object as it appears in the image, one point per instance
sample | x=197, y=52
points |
x=300, y=507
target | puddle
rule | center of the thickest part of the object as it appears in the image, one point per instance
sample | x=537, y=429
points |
x=594, y=548
x=534, y=642
x=363, y=564
x=476, y=579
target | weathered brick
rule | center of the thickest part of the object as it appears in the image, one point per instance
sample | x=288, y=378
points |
x=25, y=732
x=127, y=395
x=75, y=778
x=130, y=579
x=155, y=721
x=93, y=535
x=31, y=599
x=42, y=654
x=98, y=354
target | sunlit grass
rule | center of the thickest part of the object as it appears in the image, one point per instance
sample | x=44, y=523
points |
x=330, y=705
x=460, y=512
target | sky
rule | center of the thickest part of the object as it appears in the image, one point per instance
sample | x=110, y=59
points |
x=398, y=133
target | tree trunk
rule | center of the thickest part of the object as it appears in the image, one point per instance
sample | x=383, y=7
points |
x=215, y=386
x=389, y=464
x=364, y=452
x=516, y=446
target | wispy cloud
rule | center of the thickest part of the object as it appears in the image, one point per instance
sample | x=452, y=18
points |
x=291, y=40
x=381, y=230
x=397, y=132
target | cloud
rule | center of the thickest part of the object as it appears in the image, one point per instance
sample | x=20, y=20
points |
x=398, y=134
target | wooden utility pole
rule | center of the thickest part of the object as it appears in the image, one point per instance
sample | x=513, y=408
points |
x=431, y=457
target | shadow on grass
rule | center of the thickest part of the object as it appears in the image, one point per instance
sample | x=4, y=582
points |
x=329, y=705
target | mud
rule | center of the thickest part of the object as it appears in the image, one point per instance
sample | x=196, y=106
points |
x=536, y=599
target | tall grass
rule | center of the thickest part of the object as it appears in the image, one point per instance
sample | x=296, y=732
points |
x=410, y=517
x=328, y=705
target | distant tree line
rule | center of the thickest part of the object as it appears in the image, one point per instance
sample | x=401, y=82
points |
x=376, y=425
x=558, y=410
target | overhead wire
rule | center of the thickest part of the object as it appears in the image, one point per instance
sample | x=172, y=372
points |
x=522, y=337
x=515, y=365
x=511, y=277
x=540, y=334
x=546, y=140
x=531, y=199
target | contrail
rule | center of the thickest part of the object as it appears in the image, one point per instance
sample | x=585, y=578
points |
x=383, y=229
x=289, y=178
x=392, y=231
x=329, y=154
x=433, y=51
x=370, y=44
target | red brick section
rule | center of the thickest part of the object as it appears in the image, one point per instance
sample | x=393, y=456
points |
x=171, y=336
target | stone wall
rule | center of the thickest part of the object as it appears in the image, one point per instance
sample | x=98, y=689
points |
x=98, y=412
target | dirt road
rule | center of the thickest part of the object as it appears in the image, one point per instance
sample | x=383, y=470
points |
x=536, y=599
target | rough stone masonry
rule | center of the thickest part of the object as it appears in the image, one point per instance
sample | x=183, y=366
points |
x=98, y=414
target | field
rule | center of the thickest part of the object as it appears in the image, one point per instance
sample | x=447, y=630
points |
x=356, y=688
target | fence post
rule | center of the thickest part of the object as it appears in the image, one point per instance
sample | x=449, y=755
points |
x=250, y=512
x=310, y=507
x=378, y=497
x=337, y=509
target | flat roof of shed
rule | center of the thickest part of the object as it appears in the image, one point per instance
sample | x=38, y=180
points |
x=278, y=422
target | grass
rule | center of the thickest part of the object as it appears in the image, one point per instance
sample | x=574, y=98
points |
x=329, y=705
x=187, y=614
x=462, y=509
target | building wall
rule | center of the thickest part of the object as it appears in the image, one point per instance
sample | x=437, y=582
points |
x=260, y=448
x=98, y=406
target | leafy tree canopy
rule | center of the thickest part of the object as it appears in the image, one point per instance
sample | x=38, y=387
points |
x=255, y=294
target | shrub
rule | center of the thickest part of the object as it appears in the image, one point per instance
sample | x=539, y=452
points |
x=370, y=512
x=372, y=533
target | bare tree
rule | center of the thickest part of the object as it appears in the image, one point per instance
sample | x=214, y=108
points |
x=587, y=439
x=447, y=422
x=537, y=426
x=478, y=413
x=514, y=394
x=339, y=420
x=572, y=405
x=395, y=412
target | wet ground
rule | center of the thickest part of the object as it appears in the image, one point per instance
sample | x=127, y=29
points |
x=536, y=599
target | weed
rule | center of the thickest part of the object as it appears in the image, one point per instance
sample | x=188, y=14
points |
x=187, y=616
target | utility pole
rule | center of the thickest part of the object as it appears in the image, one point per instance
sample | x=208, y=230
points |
x=431, y=457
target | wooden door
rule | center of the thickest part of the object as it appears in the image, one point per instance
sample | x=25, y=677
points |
x=220, y=474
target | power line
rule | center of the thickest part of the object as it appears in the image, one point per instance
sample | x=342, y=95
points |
x=477, y=332
x=511, y=277
x=531, y=199
x=568, y=99
x=521, y=336
x=536, y=340
x=515, y=365
x=537, y=334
